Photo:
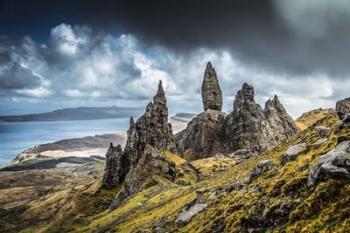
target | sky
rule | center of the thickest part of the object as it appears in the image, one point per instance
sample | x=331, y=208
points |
x=56, y=54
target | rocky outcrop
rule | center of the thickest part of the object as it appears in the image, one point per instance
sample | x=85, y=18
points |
x=211, y=92
x=248, y=127
x=282, y=124
x=201, y=137
x=334, y=164
x=252, y=128
x=343, y=107
x=152, y=164
x=116, y=167
x=151, y=129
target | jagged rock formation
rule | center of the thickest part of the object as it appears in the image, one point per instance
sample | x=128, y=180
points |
x=248, y=127
x=253, y=128
x=141, y=158
x=282, y=124
x=116, y=167
x=151, y=128
x=211, y=92
x=151, y=165
x=201, y=136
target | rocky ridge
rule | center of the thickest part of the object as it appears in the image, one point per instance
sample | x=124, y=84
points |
x=248, y=127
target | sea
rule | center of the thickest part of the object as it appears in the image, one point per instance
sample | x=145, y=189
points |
x=18, y=136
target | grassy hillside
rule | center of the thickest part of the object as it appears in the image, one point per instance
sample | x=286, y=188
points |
x=307, y=119
x=277, y=201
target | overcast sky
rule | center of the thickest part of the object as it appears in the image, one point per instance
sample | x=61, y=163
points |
x=57, y=54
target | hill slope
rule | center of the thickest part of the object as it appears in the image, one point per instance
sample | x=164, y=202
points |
x=278, y=200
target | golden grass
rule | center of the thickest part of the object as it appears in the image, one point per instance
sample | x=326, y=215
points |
x=280, y=194
x=309, y=118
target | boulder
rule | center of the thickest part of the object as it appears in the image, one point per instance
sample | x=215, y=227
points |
x=322, y=131
x=190, y=210
x=211, y=92
x=334, y=164
x=242, y=154
x=260, y=168
x=293, y=152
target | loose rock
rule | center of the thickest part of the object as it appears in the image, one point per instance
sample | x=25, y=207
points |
x=319, y=142
x=293, y=152
x=192, y=209
x=260, y=168
x=322, y=131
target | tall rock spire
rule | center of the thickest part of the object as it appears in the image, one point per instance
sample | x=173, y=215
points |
x=151, y=129
x=115, y=170
x=211, y=92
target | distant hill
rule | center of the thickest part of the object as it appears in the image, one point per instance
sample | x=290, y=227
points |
x=79, y=113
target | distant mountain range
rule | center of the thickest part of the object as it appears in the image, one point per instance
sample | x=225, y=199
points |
x=79, y=113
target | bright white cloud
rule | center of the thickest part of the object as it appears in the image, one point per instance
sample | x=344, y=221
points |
x=78, y=65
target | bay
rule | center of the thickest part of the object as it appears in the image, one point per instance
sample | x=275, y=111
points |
x=18, y=136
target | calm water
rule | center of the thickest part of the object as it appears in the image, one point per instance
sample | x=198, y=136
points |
x=16, y=137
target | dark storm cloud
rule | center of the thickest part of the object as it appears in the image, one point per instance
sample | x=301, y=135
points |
x=287, y=36
x=88, y=51
x=297, y=37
